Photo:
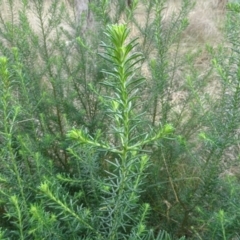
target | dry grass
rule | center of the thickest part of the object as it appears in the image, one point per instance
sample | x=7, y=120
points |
x=205, y=20
x=12, y=15
x=205, y=23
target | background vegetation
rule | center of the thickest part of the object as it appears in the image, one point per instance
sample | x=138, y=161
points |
x=119, y=131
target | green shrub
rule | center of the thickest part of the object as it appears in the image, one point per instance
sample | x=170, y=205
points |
x=91, y=150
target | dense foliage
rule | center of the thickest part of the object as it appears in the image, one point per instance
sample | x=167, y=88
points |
x=112, y=130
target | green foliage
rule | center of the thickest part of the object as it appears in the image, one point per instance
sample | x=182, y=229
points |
x=89, y=149
x=122, y=216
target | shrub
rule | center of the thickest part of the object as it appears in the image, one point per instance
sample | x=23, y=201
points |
x=90, y=148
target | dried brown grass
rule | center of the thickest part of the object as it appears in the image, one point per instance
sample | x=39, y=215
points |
x=12, y=15
x=205, y=20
